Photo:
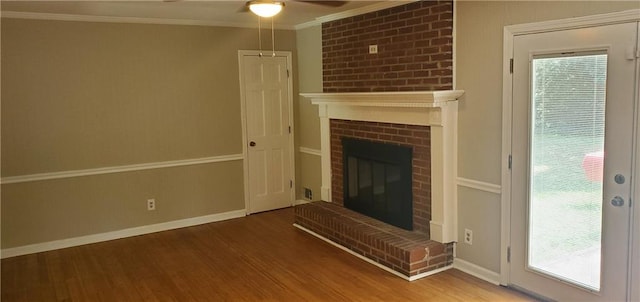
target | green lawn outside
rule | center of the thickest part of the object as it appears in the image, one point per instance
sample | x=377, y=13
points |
x=565, y=206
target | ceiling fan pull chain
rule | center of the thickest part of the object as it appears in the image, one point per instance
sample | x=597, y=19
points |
x=259, y=37
x=273, y=39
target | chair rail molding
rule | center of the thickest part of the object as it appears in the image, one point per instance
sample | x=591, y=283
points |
x=119, y=169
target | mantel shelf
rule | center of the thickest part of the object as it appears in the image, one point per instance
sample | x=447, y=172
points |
x=427, y=99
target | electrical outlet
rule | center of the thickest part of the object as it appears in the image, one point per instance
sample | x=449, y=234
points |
x=151, y=204
x=308, y=194
x=373, y=49
x=468, y=236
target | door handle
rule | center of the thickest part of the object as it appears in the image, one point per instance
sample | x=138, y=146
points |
x=617, y=201
x=252, y=144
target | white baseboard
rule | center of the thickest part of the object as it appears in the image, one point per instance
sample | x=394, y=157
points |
x=130, y=232
x=301, y=201
x=412, y=278
x=476, y=271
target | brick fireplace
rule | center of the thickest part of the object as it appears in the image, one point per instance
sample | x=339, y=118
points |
x=425, y=121
x=413, y=136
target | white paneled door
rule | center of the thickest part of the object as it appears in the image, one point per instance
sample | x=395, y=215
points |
x=572, y=158
x=268, y=134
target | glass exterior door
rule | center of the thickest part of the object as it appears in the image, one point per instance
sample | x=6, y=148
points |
x=572, y=142
x=566, y=166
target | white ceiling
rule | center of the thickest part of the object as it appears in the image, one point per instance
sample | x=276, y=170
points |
x=220, y=13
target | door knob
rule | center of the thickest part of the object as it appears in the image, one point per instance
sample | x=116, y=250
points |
x=252, y=144
x=617, y=201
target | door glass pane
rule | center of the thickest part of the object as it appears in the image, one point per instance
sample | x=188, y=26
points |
x=567, y=154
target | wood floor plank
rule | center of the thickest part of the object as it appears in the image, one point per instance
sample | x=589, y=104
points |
x=261, y=257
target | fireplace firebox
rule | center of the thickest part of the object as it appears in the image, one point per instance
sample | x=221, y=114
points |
x=377, y=180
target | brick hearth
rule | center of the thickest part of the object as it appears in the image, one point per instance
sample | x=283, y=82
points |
x=409, y=253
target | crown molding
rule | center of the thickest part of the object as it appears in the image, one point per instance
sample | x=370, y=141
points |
x=352, y=12
x=136, y=20
x=168, y=21
x=632, y=15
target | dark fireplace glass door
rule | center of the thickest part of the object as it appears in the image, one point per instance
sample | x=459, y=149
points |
x=377, y=181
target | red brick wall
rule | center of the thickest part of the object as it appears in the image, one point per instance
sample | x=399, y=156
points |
x=416, y=137
x=415, y=49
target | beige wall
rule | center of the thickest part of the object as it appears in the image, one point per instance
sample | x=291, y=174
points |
x=309, y=43
x=83, y=95
x=479, y=30
x=41, y=211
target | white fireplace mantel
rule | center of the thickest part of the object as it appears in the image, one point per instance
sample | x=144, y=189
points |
x=437, y=109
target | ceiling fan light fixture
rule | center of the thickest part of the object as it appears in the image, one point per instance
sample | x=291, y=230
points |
x=265, y=9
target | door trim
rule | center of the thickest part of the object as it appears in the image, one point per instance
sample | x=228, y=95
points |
x=243, y=113
x=509, y=33
x=634, y=233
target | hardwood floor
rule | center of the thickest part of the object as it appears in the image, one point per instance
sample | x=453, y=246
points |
x=258, y=258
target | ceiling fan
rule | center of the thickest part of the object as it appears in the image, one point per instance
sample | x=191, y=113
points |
x=269, y=8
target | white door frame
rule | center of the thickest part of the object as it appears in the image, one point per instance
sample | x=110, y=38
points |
x=507, y=81
x=634, y=233
x=243, y=112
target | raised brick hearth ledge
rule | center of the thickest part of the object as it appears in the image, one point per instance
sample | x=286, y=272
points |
x=408, y=254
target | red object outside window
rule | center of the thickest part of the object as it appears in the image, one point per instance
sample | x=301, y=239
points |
x=593, y=166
